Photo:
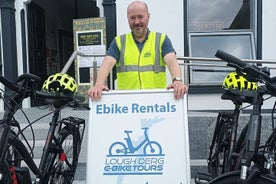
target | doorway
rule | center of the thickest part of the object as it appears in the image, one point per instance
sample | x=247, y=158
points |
x=50, y=33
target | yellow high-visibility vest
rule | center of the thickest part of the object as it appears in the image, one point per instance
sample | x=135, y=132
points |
x=141, y=70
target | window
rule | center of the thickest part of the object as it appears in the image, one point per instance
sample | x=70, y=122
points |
x=240, y=44
x=211, y=15
x=219, y=24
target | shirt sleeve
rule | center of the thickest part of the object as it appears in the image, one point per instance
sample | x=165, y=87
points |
x=167, y=47
x=113, y=50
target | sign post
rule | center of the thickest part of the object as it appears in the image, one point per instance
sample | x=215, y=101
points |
x=140, y=137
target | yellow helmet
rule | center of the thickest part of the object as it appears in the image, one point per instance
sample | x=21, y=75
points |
x=237, y=84
x=60, y=83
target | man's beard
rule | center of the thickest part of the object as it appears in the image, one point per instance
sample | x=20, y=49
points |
x=138, y=32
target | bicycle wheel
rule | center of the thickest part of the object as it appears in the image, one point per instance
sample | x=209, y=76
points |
x=233, y=178
x=270, y=150
x=152, y=148
x=62, y=166
x=118, y=148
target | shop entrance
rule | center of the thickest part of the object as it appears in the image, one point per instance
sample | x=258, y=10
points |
x=50, y=33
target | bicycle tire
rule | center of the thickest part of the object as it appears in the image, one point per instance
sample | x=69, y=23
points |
x=270, y=148
x=152, y=148
x=233, y=178
x=271, y=142
x=118, y=148
x=69, y=139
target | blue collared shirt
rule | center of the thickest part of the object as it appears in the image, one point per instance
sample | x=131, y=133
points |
x=114, y=51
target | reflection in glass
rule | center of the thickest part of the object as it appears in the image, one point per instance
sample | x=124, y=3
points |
x=218, y=24
x=210, y=15
x=205, y=45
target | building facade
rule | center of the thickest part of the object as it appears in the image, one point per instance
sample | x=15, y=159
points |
x=36, y=36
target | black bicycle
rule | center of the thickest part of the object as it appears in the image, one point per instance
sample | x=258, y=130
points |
x=224, y=148
x=59, y=159
x=256, y=163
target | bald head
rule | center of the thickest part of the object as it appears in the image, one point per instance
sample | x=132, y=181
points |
x=140, y=4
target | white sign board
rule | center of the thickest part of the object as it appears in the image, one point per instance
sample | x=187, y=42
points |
x=138, y=137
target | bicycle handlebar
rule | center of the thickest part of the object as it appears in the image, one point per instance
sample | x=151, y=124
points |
x=21, y=86
x=60, y=96
x=9, y=84
x=230, y=58
x=16, y=87
x=52, y=95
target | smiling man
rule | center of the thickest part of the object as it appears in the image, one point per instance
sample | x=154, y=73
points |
x=140, y=57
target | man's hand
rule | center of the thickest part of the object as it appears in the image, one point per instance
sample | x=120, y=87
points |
x=179, y=89
x=95, y=92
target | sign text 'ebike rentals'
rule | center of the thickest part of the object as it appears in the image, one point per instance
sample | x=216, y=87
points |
x=138, y=137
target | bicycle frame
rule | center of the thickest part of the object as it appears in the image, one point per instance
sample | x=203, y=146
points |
x=5, y=124
x=131, y=148
x=40, y=171
x=226, y=121
x=50, y=137
x=149, y=147
x=4, y=132
x=253, y=137
x=233, y=140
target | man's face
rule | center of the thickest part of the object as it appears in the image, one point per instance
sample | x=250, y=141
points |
x=138, y=19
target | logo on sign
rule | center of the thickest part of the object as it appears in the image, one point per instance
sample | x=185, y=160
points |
x=145, y=157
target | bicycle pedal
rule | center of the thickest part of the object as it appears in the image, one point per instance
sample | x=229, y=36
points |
x=203, y=178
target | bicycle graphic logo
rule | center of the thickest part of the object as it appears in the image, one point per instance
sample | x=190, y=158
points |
x=149, y=147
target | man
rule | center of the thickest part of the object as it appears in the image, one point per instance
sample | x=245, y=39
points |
x=140, y=58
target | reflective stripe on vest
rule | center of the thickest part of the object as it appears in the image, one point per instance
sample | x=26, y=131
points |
x=130, y=68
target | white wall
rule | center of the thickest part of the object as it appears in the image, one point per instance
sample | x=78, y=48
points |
x=269, y=29
x=269, y=38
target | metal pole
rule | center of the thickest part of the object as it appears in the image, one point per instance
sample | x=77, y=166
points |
x=8, y=43
x=94, y=71
x=69, y=62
